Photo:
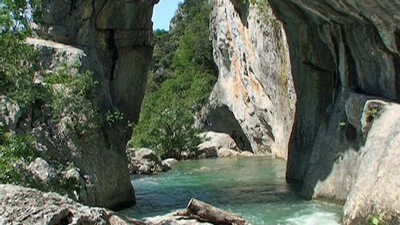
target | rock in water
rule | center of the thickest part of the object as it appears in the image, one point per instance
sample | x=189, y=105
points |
x=218, y=140
x=145, y=161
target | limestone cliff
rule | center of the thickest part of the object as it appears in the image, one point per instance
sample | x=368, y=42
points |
x=254, y=97
x=342, y=55
x=375, y=189
x=336, y=48
x=113, y=40
x=299, y=89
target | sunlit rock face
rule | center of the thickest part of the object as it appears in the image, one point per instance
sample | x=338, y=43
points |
x=254, y=97
x=114, y=41
x=375, y=189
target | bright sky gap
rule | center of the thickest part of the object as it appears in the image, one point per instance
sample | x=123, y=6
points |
x=163, y=13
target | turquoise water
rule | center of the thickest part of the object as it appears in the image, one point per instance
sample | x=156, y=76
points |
x=254, y=188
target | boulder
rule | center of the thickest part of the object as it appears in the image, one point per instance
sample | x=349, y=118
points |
x=42, y=169
x=216, y=145
x=206, y=150
x=227, y=152
x=170, y=161
x=10, y=112
x=246, y=154
x=20, y=205
x=375, y=192
x=145, y=161
x=218, y=140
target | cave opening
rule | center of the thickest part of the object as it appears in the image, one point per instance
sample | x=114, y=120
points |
x=221, y=119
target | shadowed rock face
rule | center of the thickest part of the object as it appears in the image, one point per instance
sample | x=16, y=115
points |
x=336, y=47
x=116, y=36
x=114, y=41
x=342, y=55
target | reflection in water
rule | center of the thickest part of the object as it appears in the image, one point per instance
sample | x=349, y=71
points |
x=252, y=187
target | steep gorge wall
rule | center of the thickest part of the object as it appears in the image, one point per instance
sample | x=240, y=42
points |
x=344, y=57
x=254, y=86
x=113, y=40
x=336, y=48
x=342, y=54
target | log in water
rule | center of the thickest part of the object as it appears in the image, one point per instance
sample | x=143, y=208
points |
x=204, y=212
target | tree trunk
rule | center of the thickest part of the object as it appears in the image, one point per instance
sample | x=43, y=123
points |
x=205, y=212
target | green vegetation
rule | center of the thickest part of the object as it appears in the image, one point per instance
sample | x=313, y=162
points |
x=16, y=82
x=68, y=93
x=373, y=113
x=65, y=93
x=376, y=220
x=181, y=79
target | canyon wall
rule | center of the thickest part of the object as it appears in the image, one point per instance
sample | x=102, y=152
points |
x=113, y=39
x=336, y=49
x=344, y=58
x=311, y=82
x=254, y=98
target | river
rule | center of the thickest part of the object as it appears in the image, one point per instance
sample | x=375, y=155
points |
x=254, y=188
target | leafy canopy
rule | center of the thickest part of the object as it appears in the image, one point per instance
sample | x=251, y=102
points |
x=180, y=81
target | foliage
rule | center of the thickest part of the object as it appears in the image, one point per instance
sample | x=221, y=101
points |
x=182, y=76
x=15, y=151
x=16, y=81
x=376, y=220
x=373, y=113
x=114, y=117
x=65, y=93
x=68, y=94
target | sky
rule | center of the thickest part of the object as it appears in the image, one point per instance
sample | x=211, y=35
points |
x=163, y=13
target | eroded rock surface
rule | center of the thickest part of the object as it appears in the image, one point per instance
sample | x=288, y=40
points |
x=375, y=191
x=19, y=205
x=113, y=39
x=335, y=47
x=254, y=97
x=344, y=60
x=96, y=154
x=145, y=161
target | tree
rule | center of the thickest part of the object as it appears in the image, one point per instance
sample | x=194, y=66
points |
x=181, y=80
